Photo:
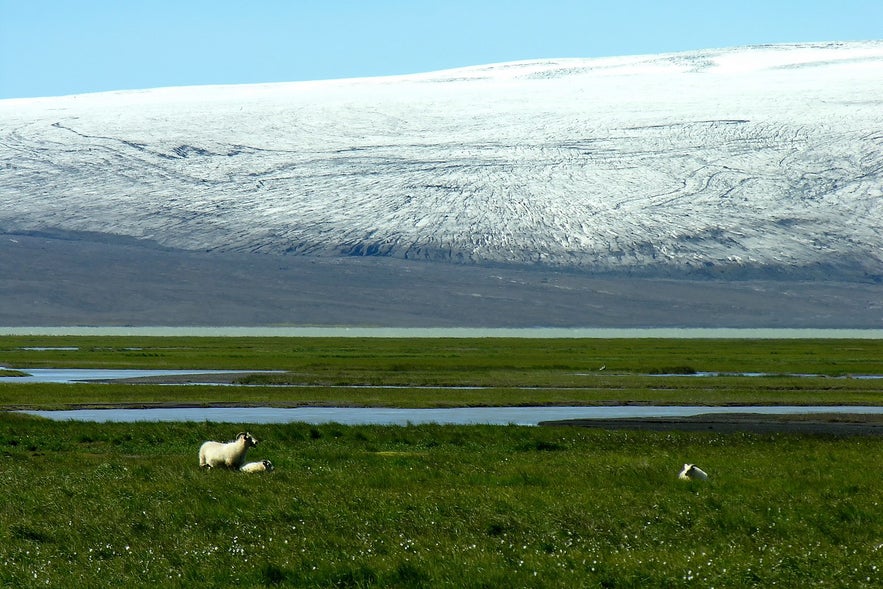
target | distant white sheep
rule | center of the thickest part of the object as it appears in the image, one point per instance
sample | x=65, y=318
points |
x=230, y=455
x=691, y=472
x=260, y=466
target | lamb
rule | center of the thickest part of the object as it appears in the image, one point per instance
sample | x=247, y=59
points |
x=230, y=455
x=692, y=472
x=260, y=466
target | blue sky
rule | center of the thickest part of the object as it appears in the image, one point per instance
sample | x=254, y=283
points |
x=59, y=47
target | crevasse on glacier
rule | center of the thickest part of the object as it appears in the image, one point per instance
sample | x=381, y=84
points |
x=745, y=160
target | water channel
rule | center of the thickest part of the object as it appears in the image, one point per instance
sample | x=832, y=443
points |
x=446, y=416
x=72, y=375
x=371, y=415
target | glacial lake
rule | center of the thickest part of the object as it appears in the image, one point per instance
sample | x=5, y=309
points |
x=389, y=416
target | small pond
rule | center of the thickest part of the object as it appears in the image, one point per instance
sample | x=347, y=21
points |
x=447, y=416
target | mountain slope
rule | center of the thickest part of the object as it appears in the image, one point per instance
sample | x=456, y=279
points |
x=749, y=162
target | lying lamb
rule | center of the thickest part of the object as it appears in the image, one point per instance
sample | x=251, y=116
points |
x=260, y=466
x=230, y=455
x=692, y=472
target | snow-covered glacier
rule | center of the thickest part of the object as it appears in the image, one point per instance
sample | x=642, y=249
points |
x=751, y=161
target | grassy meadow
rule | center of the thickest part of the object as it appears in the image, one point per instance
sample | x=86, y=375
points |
x=446, y=359
x=105, y=505
x=489, y=371
x=91, y=505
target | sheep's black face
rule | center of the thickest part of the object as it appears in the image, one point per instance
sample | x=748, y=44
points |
x=249, y=439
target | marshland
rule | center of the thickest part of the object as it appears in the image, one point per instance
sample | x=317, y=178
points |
x=89, y=504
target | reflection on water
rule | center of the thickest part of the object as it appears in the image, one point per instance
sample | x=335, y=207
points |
x=387, y=416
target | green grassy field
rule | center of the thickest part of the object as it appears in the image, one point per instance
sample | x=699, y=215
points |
x=446, y=358
x=96, y=505
x=322, y=371
x=595, y=391
x=105, y=505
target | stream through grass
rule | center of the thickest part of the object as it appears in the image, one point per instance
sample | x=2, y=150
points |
x=407, y=416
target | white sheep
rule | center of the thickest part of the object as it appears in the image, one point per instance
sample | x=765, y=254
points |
x=691, y=472
x=260, y=466
x=231, y=454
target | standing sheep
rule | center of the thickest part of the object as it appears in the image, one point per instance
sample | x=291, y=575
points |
x=230, y=455
x=260, y=466
x=692, y=472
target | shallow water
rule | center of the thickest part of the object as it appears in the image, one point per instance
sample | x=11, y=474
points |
x=71, y=375
x=74, y=375
x=447, y=416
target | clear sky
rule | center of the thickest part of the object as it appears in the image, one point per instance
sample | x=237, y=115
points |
x=57, y=47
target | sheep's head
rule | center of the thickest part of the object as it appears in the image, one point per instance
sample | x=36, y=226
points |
x=249, y=439
x=267, y=465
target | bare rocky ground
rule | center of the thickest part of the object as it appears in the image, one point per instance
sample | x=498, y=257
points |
x=58, y=280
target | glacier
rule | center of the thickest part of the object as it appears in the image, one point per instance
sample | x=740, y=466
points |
x=748, y=158
x=760, y=162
